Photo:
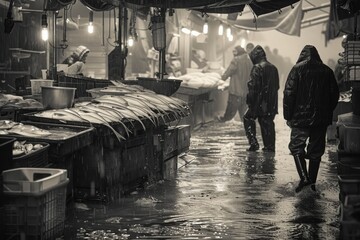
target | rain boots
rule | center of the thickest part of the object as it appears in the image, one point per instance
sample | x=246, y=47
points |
x=314, y=165
x=303, y=174
x=250, y=131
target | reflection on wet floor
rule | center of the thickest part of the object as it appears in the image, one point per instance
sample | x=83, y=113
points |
x=223, y=192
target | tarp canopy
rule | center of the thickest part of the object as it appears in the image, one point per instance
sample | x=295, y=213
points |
x=259, y=7
x=288, y=21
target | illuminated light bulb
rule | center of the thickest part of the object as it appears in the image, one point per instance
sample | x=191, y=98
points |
x=228, y=32
x=205, y=28
x=90, y=27
x=130, y=41
x=185, y=30
x=44, y=34
x=194, y=33
x=91, y=20
x=44, y=30
x=221, y=29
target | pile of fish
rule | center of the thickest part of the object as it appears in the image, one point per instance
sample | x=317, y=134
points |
x=11, y=127
x=17, y=102
x=112, y=109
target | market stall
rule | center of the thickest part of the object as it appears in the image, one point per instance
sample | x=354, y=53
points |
x=132, y=140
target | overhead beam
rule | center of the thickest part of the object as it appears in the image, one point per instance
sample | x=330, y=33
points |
x=323, y=16
x=316, y=8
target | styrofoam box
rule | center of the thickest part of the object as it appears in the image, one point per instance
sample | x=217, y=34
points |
x=32, y=180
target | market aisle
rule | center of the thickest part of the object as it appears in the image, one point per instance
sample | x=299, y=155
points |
x=223, y=193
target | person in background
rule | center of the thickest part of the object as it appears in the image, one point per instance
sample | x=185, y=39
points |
x=262, y=101
x=249, y=47
x=198, y=59
x=239, y=72
x=76, y=61
x=310, y=96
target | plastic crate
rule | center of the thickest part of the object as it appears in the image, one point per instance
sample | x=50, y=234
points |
x=349, y=230
x=82, y=84
x=348, y=164
x=35, y=203
x=8, y=114
x=32, y=180
x=349, y=185
x=37, y=158
x=36, y=216
x=6, y=147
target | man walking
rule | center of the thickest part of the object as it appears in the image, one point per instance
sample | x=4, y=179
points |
x=239, y=72
x=262, y=101
x=310, y=96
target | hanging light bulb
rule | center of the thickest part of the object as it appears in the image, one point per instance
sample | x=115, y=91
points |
x=205, y=28
x=44, y=30
x=228, y=32
x=91, y=20
x=221, y=29
x=130, y=41
x=185, y=30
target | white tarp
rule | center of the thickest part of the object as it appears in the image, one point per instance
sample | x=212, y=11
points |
x=287, y=21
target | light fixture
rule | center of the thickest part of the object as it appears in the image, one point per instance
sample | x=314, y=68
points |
x=194, y=33
x=185, y=30
x=130, y=41
x=221, y=29
x=205, y=27
x=228, y=32
x=44, y=25
x=91, y=20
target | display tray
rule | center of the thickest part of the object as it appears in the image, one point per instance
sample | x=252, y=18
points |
x=65, y=139
x=132, y=125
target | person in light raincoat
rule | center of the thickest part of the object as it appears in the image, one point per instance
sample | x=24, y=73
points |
x=76, y=61
x=310, y=96
x=262, y=101
x=239, y=72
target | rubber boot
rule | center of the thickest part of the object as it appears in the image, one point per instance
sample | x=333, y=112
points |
x=250, y=131
x=314, y=165
x=303, y=174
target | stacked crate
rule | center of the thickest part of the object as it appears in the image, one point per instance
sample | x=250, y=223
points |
x=348, y=167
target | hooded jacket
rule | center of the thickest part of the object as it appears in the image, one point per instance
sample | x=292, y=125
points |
x=311, y=92
x=239, y=73
x=263, y=85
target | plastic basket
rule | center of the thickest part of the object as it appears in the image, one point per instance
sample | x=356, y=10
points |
x=6, y=147
x=349, y=185
x=8, y=114
x=82, y=84
x=38, y=158
x=37, y=216
x=32, y=180
x=349, y=230
x=348, y=165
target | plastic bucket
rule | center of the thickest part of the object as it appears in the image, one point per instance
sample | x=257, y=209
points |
x=37, y=83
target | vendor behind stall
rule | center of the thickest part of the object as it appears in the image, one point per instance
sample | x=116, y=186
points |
x=76, y=61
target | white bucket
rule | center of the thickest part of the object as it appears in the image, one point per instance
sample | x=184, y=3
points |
x=37, y=83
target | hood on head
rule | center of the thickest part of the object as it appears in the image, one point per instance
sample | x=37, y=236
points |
x=80, y=51
x=308, y=53
x=240, y=50
x=257, y=54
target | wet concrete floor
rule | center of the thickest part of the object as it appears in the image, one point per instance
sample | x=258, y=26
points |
x=221, y=191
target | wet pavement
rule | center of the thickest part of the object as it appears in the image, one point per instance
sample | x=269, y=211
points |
x=221, y=191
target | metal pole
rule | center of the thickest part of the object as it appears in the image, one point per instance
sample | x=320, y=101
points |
x=54, y=75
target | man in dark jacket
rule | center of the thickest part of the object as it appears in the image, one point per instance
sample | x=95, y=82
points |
x=239, y=72
x=310, y=96
x=262, y=101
